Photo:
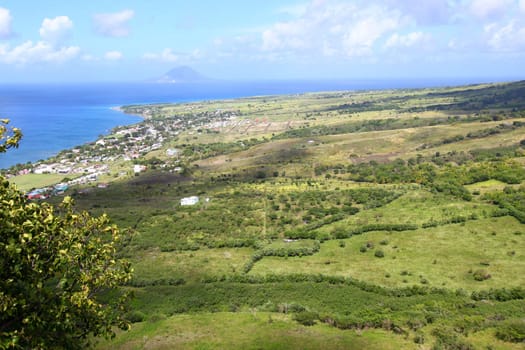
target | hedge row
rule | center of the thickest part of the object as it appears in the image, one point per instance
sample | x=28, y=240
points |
x=282, y=252
x=502, y=294
x=335, y=280
x=158, y=282
x=376, y=227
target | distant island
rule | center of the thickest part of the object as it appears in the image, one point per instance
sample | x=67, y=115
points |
x=181, y=74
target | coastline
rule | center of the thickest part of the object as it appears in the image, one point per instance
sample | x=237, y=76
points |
x=86, y=110
x=80, y=128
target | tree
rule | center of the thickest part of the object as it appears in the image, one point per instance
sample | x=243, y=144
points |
x=8, y=138
x=59, y=270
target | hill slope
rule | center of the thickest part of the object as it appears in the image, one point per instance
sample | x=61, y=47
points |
x=397, y=215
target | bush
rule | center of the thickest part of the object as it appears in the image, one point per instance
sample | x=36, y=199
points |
x=419, y=338
x=379, y=254
x=306, y=318
x=512, y=331
x=481, y=275
x=135, y=316
x=500, y=294
x=447, y=339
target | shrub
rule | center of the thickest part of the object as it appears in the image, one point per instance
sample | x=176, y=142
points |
x=135, y=316
x=379, y=254
x=481, y=275
x=419, y=338
x=447, y=339
x=363, y=249
x=512, y=331
x=306, y=318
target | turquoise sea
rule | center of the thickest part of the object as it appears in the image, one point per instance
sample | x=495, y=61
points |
x=54, y=117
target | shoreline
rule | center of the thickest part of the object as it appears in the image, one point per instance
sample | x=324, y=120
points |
x=124, y=109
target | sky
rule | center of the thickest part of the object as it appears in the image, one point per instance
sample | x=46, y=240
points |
x=117, y=40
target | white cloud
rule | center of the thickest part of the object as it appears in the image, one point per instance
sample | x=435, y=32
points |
x=331, y=28
x=506, y=38
x=522, y=6
x=113, y=24
x=490, y=9
x=294, y=10
x=360, y=39
x=168, y=56
x=88, y=58
x=56, y=29
x=5, y=23
x=286, y=35
x=407, y=41
x=113, y=55
x=425, y=12
x=41, y=51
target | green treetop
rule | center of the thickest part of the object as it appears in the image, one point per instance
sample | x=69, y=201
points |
x=59, y=270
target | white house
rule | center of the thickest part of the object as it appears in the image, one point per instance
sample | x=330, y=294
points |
x=44, y=169
x=172, y=152
x=189, y=200
x=137, y=168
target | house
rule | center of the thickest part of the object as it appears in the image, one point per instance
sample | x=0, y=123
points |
x=61, y=187
x=44, y=169
x=137, y=168
x=189, y=200
x=38, y=193
x=172, y=152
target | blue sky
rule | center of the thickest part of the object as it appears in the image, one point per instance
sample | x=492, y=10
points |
x=55, y=41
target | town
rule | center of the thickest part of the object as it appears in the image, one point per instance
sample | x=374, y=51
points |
x=126, y=146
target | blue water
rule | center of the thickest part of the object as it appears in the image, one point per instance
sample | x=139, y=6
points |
x=57, y=117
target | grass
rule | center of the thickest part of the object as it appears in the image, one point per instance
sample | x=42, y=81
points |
x=444, y=256
x=153, y=265
x=418, y=207
x=487, y=186
x=29, y=181
x=247, y=330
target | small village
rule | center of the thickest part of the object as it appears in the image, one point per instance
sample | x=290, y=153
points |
x=86, y=164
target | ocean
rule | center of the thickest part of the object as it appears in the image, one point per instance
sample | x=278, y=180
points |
x=55, y=117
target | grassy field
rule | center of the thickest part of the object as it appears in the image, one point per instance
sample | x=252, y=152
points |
x=389, y=219
x=30, y=181
x=248, y=330
x=154, y=265
x=438, y=257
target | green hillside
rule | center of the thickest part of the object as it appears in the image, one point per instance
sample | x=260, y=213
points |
x=342, y=220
